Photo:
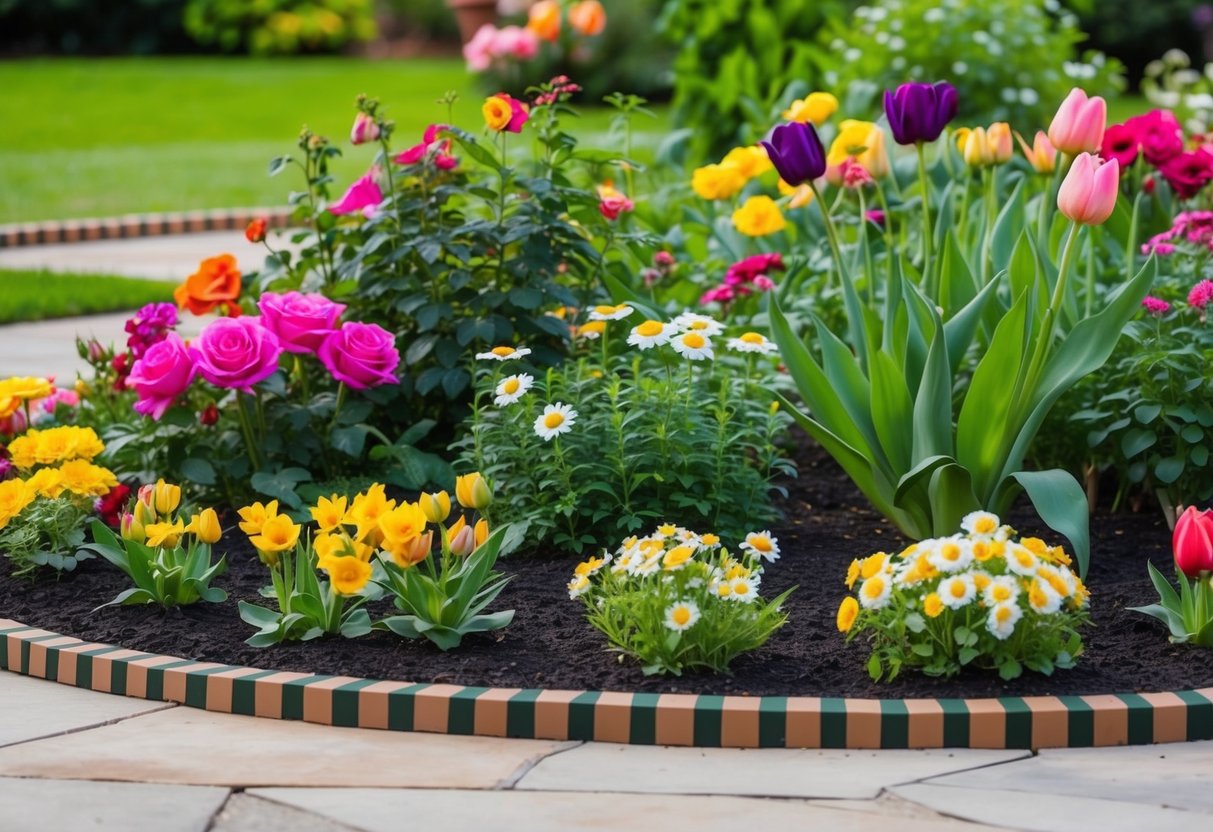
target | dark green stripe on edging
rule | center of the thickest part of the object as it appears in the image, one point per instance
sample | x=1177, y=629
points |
x=894, y=724
x=642, y=729
x=955, y=723
x=345, y=703
x=1018, y=722
x=461, y=713
x=244, y=692
x=833, y=723
x=1141, y=719
x=520, y=714
x=292, y=695
x=155, y=679
x=709, y=711
x=402, y=707
x=197, y=685
x=581, y=715
x=773, y=722
x=1081, y=720
x=1200, y=715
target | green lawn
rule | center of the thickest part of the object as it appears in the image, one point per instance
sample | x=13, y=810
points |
x=37, y=295
x=99, y=137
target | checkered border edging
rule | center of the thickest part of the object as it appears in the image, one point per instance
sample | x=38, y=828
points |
x=639, y=718
x=137, y=225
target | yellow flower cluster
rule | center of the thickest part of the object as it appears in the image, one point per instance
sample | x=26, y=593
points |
x=155, y=522
x=18, y=389
x=54, y=462
x=54, y=445
x=982, y=569
x=15, y=495
x=726, y=179
x=350, y=533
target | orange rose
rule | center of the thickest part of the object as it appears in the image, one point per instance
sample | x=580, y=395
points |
x=588, y=17
x=544, y=20
x=255, y=232
x=216, y=283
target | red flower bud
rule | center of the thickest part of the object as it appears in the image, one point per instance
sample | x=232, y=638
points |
x=1193, y=542
x=209, y=415
x=255, y=232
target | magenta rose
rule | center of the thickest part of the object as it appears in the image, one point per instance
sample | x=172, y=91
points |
x=1188, y=172
x=236, y=353
x=361, y=355
x=161, y=375
x=301, y=322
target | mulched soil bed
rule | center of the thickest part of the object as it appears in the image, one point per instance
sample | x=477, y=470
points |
x=549, y=644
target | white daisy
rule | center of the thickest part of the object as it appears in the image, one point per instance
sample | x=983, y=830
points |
x=951, y=554
x=681, y=615
x=982, y=525
x=744, y=590
x=556, y=419
x=591, y=331
x=1043, y=598
x=957, y=591
x=1002, y=589
x=650, y=334
x=611, y=313
x=753, y=342
x=1021, y=561
x=874, y=592
x=513, y=388
x=762, y=545
x=692, y=345
x=1002, y=619
x=694, y=322
x=1061, y=580
x=578, y=586
x=503, y=353
x=648, y=566
x=624, y=563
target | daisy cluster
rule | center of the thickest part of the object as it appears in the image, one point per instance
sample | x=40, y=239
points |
x=675, y=598
x=980, y=597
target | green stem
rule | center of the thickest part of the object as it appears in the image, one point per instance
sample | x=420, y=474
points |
x=928, y=239
x=247, y=429
x=337, y=407
x=831, y=231
x=868, y=265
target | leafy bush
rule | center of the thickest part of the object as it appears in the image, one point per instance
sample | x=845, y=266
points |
x=978, y=599
x=675, y=600
x=280, y=27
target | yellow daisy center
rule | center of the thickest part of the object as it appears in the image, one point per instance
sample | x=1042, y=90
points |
x=957, y=589
x=681, y=616
x=1002, y=614
x=693, y=340
x=503, y=351
x=1001, y=593
x=741, y=588
x=984, y=525
x=873, y=587
x=648, y=329
x=752, y=338
x=699, y=325
x=553, y=420
x=761, y=543
x=723, y=590
x=950, y=552
x=605, y=310
x=511, y=386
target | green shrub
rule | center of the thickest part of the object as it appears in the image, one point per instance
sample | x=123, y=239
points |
x=280, y=27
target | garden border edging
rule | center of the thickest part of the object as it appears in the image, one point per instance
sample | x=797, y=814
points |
x=131, y=226
x=636, y=718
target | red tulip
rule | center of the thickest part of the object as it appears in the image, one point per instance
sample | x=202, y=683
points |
x=1193, y=542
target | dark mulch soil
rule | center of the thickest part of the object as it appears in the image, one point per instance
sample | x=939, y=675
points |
x=550, y=645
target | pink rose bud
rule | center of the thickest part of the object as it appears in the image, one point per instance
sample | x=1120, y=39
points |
x=161, y=375
x=1079, y=124
x=361, y=355
x=663, y=260
x=236, y=353
x=364, y=130
x=1193, y=542
x=1089, y=191
x=301, y=322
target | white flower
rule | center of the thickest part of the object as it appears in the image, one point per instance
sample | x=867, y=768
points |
x=753, y=342
x=578, y=586
x=1002, y=619
x=625, y=563
x=611, y=313
x=694, y=322
x=503, y=353
x=1002, y=589
x=556, y=419
x=957, y=591
x=692, y=345
x=681, y=615
x=1043, y=598
x=982, y=525
x=513, y=388
x=650, y=334
x=648, y=566
x=743, y=589
x=1021, y=561
x=951, y=554
x=874, y=592
x=762, y=545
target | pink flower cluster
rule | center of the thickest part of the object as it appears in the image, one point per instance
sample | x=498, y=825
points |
x=430, y=144
x=744, y=277
x=1155, y=306
x=1195, y=227
x=149, y=326
x=237, y=353
x=1201, y=295
x=490, y=45
x=560, y=88
x=1158, y=138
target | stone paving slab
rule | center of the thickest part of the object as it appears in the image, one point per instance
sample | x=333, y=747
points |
x=1050, y=812
x=53, y=805
x=172, y=257
x=1179, y=775
x=770, y=772
x=515, y=811
x=245, y=813
x=32, y=708
x=189, y=746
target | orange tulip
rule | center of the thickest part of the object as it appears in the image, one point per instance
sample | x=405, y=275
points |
x=588, y=18
x=216, y=283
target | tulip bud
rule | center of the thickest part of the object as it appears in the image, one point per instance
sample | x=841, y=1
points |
x=464, y=542
x=481, y=532
x=166, y=497
x=1042, y=156
x=1089, y=191
x=254, y=232
x=144, y=513
x=365, y=130
x=999, y=137
x=1079, y=124
x=413, y=551
x=472, y=491
x=205, y=526
x=132, y=529
x=436, y=507
x=1193, y=542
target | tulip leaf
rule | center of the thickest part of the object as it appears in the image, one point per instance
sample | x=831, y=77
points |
x=1062, y=504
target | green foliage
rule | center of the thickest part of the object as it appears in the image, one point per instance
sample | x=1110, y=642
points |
x=280, y=27
x=48, y=532
x=445, y=601
x=169, y=575
x=668, y=601
x=1010, y=60
x=1188, y=614
x=125, y=27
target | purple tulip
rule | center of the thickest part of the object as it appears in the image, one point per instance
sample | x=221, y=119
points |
x=919, y=112
x=796, y=152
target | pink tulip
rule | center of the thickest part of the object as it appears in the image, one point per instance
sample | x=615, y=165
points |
x=1079, y=124
x=364, y=195
x=1193, y=542
x=1089, y=191
x=364, y=130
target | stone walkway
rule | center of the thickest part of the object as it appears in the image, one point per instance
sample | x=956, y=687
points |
x=76, y=759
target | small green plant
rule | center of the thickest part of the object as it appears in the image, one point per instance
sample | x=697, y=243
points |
x=978, y=599
x=675, y=600
x=1188, y=614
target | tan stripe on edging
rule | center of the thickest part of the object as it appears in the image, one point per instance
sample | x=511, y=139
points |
x=987, y=723
x=136, y=673
x=103, y=668
x=175, y=679
x=267, y=692
x=374, y=704
x=491, y=709
x=739, y=721
x=1170, y=716
x=39, y=650
x=863, y=723
x=674, y=719
x=69, y=658
x=219, y=688
x=318, y=699
x=432, y=708
x=613, y=717
x=1050, y=721
x=552, y=714
x=925, y=723
x=803, y=722
x=1111, y=719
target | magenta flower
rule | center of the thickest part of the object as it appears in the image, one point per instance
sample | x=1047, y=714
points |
x=443, y=160
x=1201, y=294
x=236, y=353
x=361, y=355
x=1155, y=306
x=148, y=326
x=365, y=130
x=301, y=322
x=364, y=195
x=163, y=373
x=1188, y=172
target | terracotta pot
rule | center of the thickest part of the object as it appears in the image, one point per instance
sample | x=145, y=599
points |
x=472, y=14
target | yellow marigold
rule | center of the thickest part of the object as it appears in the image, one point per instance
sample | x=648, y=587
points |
x=25, y=387
x=749, y=161
x=717, y=181
x=759, y=216
x=873, y=564
x=848, y=610
x=15, y=495
x=85, y=478
x=255, y=516
x=46, y=482
x=932, y=605
x=816, y=107
x=348, y=575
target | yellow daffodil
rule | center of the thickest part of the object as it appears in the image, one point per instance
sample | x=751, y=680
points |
x=402, y=524
x=254, y=517
x=278, y=533
x=329, y=512
x=406, y=554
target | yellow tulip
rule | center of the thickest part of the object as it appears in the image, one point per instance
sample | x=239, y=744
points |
x=165, y=498
x=254, y=516
x=410, y=553
x=863, y=142
x=437, y=506
x=166, y=535
x=347, y=575
x=472, y=491
x=205, y=526
x=816, y=107
x=402, y=524
x=481, y=533
x=278, y=534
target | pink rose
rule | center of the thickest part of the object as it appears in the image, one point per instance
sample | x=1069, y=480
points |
x=301, y=322
x=236, y=353
x=162, y=374
x=515, y=42
x=364, y=195
x=478, y=52
x=361, y=355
